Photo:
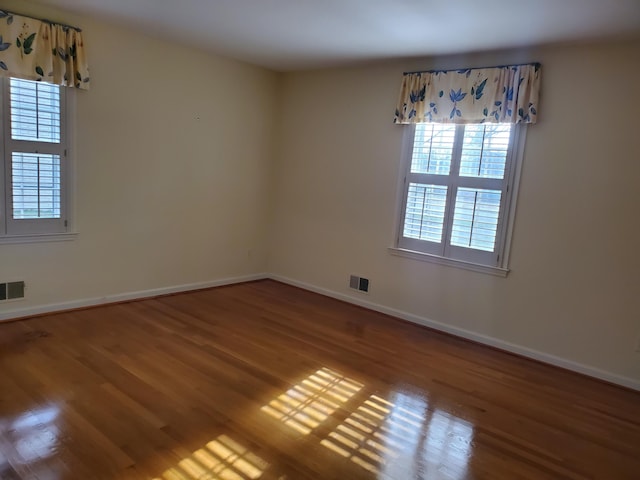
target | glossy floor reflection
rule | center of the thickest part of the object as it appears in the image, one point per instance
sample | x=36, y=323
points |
x=385, y=437
x=265, y=381
x=31, y=436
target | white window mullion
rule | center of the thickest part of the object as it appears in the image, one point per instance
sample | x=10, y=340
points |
x=429, y=179
x=4, y=205
x=484, y=183
x=453, y=188
x=35, y=147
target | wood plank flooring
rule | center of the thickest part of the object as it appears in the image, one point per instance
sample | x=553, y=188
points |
x=263, y=380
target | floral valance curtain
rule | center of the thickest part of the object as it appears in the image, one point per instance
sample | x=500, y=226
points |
x=507, y=94
x=35, y=49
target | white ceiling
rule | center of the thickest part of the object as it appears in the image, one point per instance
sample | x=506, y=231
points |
x=299, y=34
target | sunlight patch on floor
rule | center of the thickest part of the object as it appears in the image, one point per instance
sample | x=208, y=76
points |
x=220, y=459
x=310, y=402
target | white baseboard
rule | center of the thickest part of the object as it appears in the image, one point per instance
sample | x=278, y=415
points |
x=470, y=335
x=123, y=297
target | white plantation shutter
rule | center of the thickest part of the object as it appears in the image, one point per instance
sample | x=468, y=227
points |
x=457, y=191
x=34, y=157
x=36, y=186
x=424, y=218
x=484, y=151
x=35, y=111
x=475, y=218
x=432, y=149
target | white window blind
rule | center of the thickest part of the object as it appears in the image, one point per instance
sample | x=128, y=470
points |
x=475, y=218
x=424, y=217
x=36, y=185
x=35, y=111
x=457, y=191
x=484, y=150
x=432, y=149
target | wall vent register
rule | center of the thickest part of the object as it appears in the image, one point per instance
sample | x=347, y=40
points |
x=359, y=283
x=11, y=291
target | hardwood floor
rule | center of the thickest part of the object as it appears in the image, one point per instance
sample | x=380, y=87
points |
x=263, y=380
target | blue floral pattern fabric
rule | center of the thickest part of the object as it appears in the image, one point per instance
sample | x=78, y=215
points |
x=507, y=94
x=33, y=49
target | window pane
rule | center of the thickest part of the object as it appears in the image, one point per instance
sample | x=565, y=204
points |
x=475, y=219
x=432, y=148
x=484, y=150
x=424, y=216
x=36, y=185
x=35, y=111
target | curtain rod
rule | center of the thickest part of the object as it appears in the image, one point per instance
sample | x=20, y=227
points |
x=475, y=68
x=42, y=20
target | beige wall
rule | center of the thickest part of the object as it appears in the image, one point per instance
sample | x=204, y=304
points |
x=172, y=163
x=573, y=291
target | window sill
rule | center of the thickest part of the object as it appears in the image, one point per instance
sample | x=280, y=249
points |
x=41, y=238
x=426, y=257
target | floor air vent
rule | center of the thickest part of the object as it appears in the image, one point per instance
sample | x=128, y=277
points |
x=359, y=283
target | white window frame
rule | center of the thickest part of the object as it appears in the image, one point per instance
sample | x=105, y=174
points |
x=43, y=229
x=495, y=262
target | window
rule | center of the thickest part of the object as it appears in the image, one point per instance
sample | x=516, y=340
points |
x=458, y=191
x=34, y=173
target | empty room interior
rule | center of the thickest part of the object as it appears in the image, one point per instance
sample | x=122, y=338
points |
x=288, y=240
